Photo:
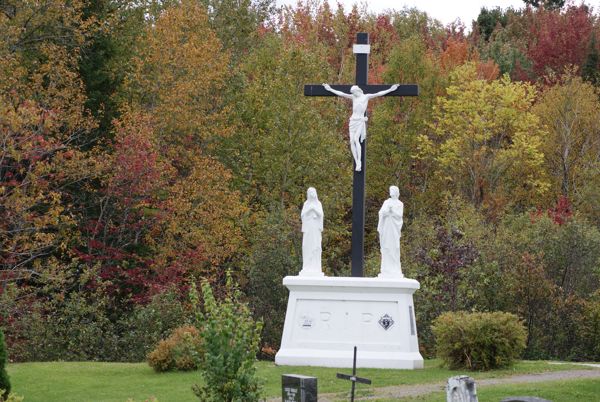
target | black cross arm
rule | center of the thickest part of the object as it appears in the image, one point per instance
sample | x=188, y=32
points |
x=353, y=378
x=403, y=90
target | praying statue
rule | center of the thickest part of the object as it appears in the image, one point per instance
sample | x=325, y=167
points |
x=358, y=120
x=389, y=227
x=312, y=226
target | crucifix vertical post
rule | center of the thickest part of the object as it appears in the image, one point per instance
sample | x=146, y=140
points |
x=360, y=177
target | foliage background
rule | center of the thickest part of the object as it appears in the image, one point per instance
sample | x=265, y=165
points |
x=146, y=146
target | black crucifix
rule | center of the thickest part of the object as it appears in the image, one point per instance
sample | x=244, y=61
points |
x=361, y=49
x=353, y=377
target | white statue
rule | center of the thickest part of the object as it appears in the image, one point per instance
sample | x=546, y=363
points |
x=312, y=226
x=389, y=227
x=358, y=120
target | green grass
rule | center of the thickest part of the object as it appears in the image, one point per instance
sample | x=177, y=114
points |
x=92, y=381
x=587, y=390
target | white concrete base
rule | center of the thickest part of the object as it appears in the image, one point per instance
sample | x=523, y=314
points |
x=327, y=316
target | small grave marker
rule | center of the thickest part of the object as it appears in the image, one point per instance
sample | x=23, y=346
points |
x=461, y=389
x=298, y=388
x=353, y=377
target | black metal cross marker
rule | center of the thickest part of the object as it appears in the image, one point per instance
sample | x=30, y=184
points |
x=353, y=377
x=361, y=48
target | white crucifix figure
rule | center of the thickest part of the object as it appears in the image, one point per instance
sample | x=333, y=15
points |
x=358, y=121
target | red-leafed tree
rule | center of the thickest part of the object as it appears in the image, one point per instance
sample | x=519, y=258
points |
x=129, y=211
x=558, y=38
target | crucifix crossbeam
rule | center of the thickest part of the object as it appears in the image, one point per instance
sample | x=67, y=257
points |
x=403, y=90
x=361, y=49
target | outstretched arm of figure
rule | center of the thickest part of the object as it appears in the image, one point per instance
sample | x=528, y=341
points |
x=381, y=93
x=336, y=92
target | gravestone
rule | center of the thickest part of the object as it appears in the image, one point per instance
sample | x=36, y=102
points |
x=461, y=389
x=298, y=388
x=524, y=399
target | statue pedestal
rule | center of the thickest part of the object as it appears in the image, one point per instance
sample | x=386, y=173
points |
x=327, y=316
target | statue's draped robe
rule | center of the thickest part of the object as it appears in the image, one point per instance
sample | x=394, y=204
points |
x=312, y=226
x=357, y=128
x=389, y=228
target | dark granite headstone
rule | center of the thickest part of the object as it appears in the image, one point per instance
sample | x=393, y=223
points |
x=298, y=388
x=524, y=399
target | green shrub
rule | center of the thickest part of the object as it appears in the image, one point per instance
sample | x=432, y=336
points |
x=73, y=329
x=180, y=351
x=4, y=380
x=478, y=341
x=146, y=325
x=85, y=326
x=273, y=248
x=589, y=331
x=230, y=339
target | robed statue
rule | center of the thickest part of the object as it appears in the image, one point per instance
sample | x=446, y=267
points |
x=389, y=228
x=312, y=226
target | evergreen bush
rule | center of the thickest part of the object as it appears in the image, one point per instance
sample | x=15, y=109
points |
x=478, y=341
x=4, y=380
x=230, y=338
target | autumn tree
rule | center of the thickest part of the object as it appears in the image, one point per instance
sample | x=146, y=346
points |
x=277, y=151
x=128, y=210
x=396, y=124
x=237, y=23
x=557, y=39
x=414, y=22
x=591, y=68
x=179, y=77
x=485, y=143
x=570, y=112
x=507, y=44
x=315, y=24
x=488, y=20
x=43, y=123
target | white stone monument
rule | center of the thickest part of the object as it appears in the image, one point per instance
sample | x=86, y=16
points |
x=327, y=316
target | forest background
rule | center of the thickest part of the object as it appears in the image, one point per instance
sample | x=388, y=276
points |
x=148, y=145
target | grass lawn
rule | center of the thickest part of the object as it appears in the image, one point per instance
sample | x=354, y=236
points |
x=92, y=381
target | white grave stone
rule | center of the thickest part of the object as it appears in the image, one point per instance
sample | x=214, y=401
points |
x=461, y=389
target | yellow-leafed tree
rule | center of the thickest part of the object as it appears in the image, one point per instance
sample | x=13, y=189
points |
x=485, y=143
